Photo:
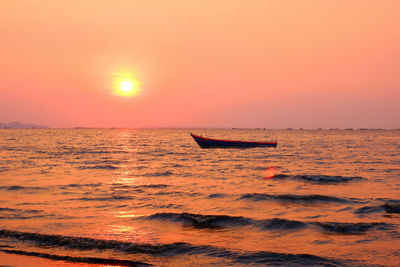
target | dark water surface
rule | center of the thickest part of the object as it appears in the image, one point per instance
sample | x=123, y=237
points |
x=153, y=197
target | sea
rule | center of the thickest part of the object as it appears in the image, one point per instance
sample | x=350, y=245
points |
x=153, y=197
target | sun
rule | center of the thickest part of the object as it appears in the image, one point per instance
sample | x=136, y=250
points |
x=125, y=85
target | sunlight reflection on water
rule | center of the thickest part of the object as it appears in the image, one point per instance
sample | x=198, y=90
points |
x=333, y=194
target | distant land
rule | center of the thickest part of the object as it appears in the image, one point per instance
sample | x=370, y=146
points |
x=20, y=125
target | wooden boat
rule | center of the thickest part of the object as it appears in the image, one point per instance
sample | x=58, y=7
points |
x=205, y=142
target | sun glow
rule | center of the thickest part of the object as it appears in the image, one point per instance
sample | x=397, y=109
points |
x=125, y=85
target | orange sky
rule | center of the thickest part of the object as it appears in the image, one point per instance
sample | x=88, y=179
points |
x=205, y=63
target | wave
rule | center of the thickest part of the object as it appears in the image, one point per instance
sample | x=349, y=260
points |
x=202, y=221
x=82, y=243
x=9, y=210
x=281, y=224
x=390, y=206
x=80, y=185
x=4, y=169
x=294, y=198
x=110, y=198
x=172, y=249
x=81, y=151
x=351, y=228
x=158, y=174
x=19, y=210
x=286, y=259
x=157, y=186
x=144, y=186
x=20, y=188
x=275, y=224
x=216, y=195
x=75, y=259
x=165, y=206
x=177, y=193
x=106, y=161
x=320, y=179
x=224, y=221
x=20, y=214
x=100, y=167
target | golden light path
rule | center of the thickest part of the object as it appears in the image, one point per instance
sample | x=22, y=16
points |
x=126, y=85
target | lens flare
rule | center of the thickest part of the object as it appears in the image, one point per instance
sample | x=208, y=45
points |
x=269, y=172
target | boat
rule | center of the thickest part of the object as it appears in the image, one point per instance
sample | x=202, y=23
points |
x=205, y=142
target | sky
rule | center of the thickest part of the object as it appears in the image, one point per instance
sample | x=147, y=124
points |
x=205, y=63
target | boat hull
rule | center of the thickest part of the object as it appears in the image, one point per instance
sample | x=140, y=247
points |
x=204, y=142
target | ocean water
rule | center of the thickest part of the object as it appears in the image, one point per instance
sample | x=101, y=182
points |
x=113, y=197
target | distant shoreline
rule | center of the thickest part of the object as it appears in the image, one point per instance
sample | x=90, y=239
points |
x=20, y=125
